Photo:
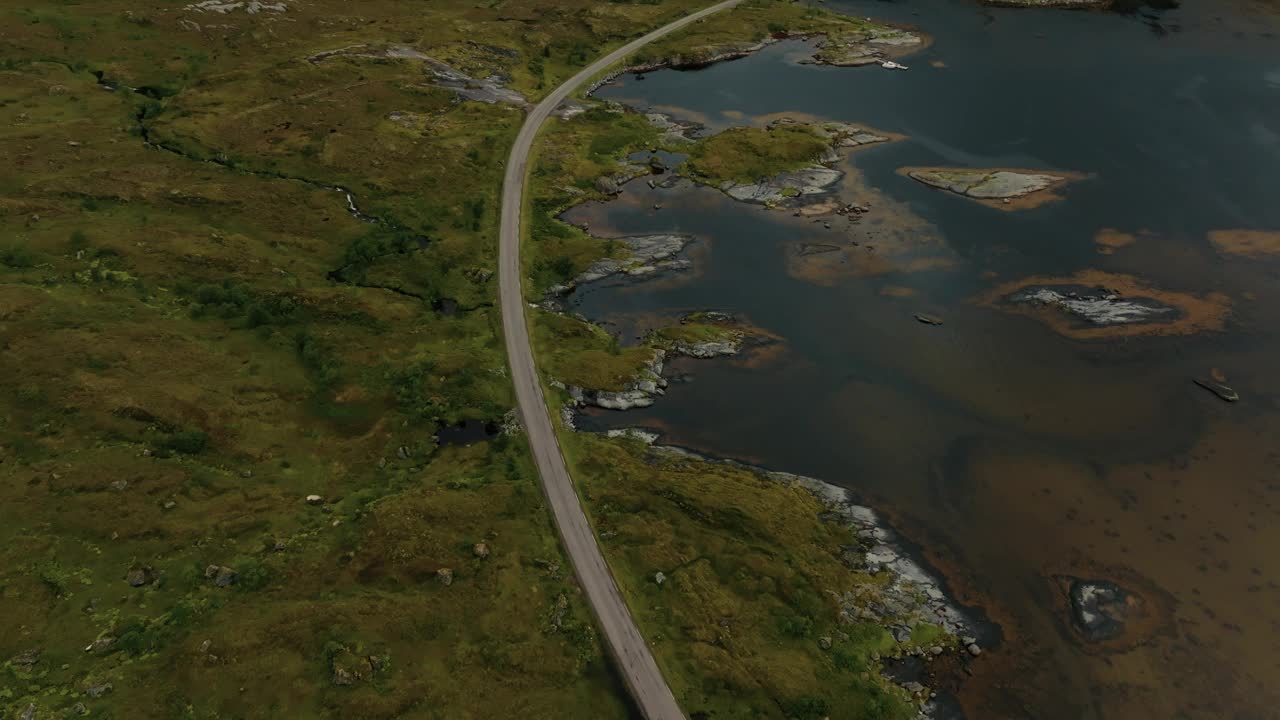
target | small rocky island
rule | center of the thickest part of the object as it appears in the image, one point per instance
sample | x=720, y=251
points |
x=1005, y=188
x=787, y=164
x=1093, y=304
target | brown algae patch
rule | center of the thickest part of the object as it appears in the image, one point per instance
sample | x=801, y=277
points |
x=1109, y=240
x=897, y=291
x=1093, y=304
x=889, y=238
x=1246, y=243
x=1002, y=188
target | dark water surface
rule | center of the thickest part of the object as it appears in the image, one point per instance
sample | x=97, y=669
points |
x=1016, y=455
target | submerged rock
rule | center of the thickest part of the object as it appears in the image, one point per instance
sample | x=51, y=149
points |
x=1098, y=609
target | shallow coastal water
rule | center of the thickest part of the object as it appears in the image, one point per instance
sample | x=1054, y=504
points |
x=1017, y=453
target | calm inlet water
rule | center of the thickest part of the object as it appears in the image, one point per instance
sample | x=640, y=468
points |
x=1019, y=455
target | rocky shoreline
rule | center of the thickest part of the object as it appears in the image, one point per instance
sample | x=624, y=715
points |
x=805, y=187
x=863, y=47
x=911, y=595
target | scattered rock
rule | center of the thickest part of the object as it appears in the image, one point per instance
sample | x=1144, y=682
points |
x=25, y=659
x=445, y=576
x=659, y=577
x=120, y=485
x=824, y=642
x=481, y=550
x=97, y=691
x=935, y=650
x=29, y=713
x=314, y=500
x=973, y=649
x=221, y=575
x=347, y=668
x=100, y=644
x=139, y=575
x=607, y=185
x=644, y=436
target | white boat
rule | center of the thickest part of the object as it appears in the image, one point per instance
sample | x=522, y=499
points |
x=891, y=65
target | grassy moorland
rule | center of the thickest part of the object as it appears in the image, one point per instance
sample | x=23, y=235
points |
x=198, y=335
x=746, y=154
x=732, y=576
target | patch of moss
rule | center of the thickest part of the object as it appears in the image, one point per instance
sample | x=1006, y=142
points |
x=747, y=154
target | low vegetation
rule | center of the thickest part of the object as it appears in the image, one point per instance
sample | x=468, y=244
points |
x=747, y=154
x=199, y=334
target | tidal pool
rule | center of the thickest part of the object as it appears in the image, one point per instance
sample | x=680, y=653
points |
x=1116, y=520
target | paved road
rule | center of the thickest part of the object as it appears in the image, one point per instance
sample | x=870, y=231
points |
x=623, y=639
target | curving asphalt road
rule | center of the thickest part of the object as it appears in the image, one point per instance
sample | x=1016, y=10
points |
x=636, y=664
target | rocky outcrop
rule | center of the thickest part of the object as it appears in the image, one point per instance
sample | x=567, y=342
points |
x=785, y=188
x=491, y=89
x=866, y=47
x=673, y=131
x=985, y=184
x=252, y=7
x=1004, y=188
x=800, y=188
x=648, y=254
x=911, y=595
x=640, y=392
x=708, y=348
x=1097, y=306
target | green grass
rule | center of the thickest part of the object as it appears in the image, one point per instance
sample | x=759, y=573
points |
x=694, y=332
x=192, y=348
x=568, y=159
x=749, y=569
x=747, y=154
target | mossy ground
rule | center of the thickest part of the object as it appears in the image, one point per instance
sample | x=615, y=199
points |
x=198, y=337
x=570, y=157
x=747, y=154
x=749, y=567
